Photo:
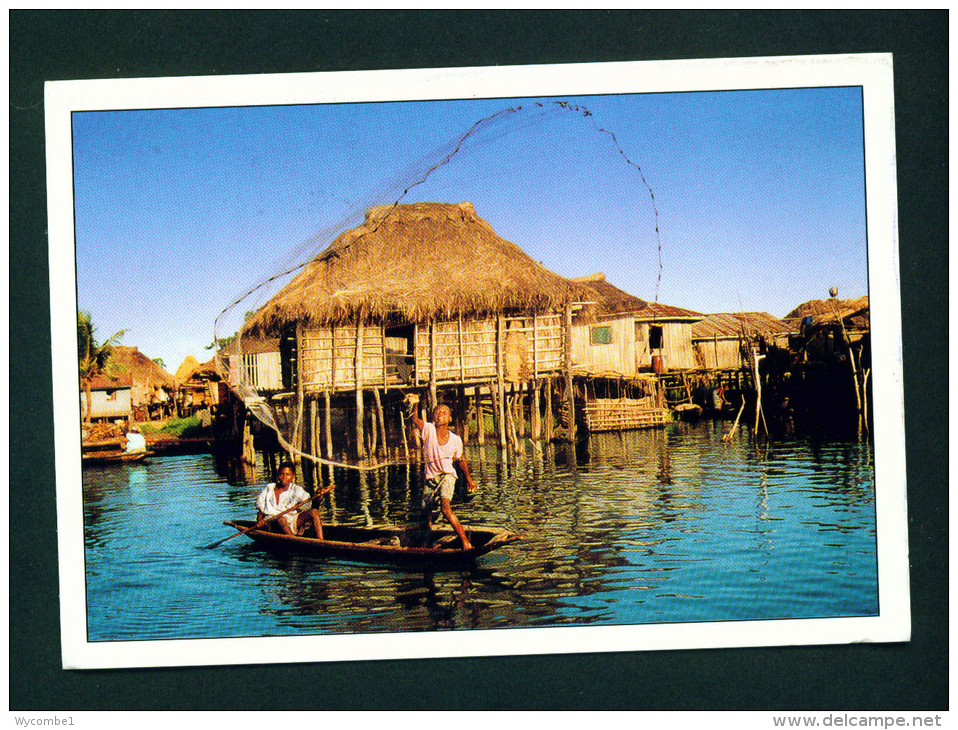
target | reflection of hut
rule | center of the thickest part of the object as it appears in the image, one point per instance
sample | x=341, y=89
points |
x=719, y=338
x=109, y=398
x=420, y=295
x=152, y=387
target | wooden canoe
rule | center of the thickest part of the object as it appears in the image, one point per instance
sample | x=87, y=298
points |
x=114, y=457
x=395, y=544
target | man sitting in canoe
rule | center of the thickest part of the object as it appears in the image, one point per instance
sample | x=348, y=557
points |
x=282, y=495
x=135, y=443
x=440, y=449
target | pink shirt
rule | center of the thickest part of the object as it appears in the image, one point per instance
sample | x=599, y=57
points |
x=439, y=458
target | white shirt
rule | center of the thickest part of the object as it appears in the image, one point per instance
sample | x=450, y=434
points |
x=135, y=442
x=439, y=458
x=267, y=503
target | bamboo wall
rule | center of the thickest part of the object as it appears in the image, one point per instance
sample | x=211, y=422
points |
x=676, y=352
x=617, y=356
x=262, y=370
x=466, y=351
x=719, y=354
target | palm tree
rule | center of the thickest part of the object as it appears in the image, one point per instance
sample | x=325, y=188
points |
x=92, y=357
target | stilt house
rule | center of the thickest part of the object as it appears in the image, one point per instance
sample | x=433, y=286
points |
x=721, y=340
x=418, y=296
x=621, y=333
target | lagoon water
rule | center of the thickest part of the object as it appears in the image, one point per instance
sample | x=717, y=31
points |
x=667, y=525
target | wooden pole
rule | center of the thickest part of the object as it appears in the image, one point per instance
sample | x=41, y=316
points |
x=313, y=437
x=570, y=393
x=329, y=426
x=500, y=379
x=402, y=428
x=433, y=396
x=550, y=425
x=535, y=419
x=248, y=457
x=382, y=420
x=480, y=418
x=358, y=369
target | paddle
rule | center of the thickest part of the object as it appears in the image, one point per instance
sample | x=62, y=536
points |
x=266, y=520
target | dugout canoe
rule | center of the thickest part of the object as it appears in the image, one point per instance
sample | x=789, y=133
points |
x=395, y=544
x=113, y=457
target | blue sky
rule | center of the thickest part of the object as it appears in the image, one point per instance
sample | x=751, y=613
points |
x=759, y=195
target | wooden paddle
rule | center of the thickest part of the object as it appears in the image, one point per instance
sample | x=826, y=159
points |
x=266, y=520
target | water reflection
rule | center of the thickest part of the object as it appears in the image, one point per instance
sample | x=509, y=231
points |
x=643, y=526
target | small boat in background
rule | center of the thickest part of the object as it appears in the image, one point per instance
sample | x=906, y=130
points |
x=394, y=544
x=94, y=458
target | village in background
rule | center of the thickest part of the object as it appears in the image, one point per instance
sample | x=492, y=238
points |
x=425, y=298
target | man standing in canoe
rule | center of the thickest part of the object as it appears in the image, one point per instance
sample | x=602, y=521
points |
x=441, y=449
x=282, y=495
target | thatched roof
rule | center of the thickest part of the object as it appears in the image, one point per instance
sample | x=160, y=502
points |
x=734, y=324
x=186, y=368
x=141, y=369
x=825, y=311
x=607, y=300
x=413, y=263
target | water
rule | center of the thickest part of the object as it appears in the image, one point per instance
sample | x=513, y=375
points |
x=641, y=527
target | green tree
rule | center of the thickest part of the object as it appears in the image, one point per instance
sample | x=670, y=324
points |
x=92, y=357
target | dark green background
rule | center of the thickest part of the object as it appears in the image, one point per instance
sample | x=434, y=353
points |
x=53, y=45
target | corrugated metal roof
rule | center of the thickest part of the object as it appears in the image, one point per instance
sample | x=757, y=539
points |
x=732, y=324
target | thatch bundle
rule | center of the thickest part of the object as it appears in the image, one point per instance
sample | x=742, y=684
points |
x=413, y=263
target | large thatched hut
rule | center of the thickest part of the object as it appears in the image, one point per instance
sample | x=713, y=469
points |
x=423, y=295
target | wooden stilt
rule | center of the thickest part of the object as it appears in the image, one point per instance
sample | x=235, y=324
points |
x=535, y=418
x=570, y=392
x=382, y=420
x=403, y=429
x=500, y=380
x=549, y=424
x=358, y=367
x=433, y=395
x=480, y=418
x=248, y=458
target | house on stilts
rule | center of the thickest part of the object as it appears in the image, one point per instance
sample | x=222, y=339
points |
x=620, y=346
x=420, y=298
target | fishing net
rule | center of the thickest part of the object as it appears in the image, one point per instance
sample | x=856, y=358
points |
x=482, y=155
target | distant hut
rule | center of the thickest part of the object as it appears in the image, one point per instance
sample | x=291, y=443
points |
x=198, y=386
x=823, y=324
x=152, y=388
x=604, y=330
x=418, y=296
x=663, y=335
x=110, y=398
x=719, y=339
x=609, y=352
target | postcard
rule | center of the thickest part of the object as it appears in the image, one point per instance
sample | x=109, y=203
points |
x=477, y=361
